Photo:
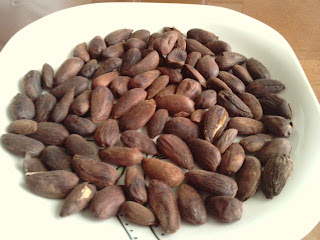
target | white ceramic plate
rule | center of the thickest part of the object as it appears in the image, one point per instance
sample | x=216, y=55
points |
x=51, y=39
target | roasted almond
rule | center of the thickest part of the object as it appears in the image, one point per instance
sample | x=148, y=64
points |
x=56, y=158
x=157, y=123
x=23, y=127
x=68, y=69
x=101, y=104
x=44, y=107
x=176, y=104
x=22, y=107
x=121, y=156
x=232, y=159
x=182, y=127
x=76, y=144
x=135, y=186
x=253, y=103
x=139, y=141
x=107, y=133
x=246, y=126
x=257, y=69
x=32, y=84
x=79, y=125
x=138, y=214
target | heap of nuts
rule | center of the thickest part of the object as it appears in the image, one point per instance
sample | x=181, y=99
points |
x=191, y=93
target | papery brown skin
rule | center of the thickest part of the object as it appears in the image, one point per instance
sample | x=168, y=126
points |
x=191, y=205
x=189, y=88
x=135, y=186
x=253, y=103
x=78, y=199
x=257, y=69
x=168, y=90
x=246, y=126
x=264, y=86
x=205, y=154
x=79, y=83
x=226, y=139
x=217, y=85
x=54, y=184
x=192, y=58
x=206, y=99
x=76, y=144
x=89, y=68
x=81, y=104
x=163, y=203
x=278, y=126
x=31, y=164
x=195, y=46
x=22, y=107
x=109, y=65
x=104, y=79
x=149, y=62
x=218, y=47
x=117, y=36
x=157, y=85
x=255, y=142
x=123, y=156
x=96, y=46
x=248, y=178
x=44, y=107
x=174, y=75
x=97, y=173
x=198, y=116
x=81, y=51
x=138, y=214
x=144, y=80
x=201, y=35
x=56, y=158
x=61, y=109
x=234, y=83
x=207, y=67
x=157, y=123
x=190, y=72
x=182, y=127
x=68, y=69
x=23, y=127
x=79, y=125
x=242, y=73
x=228, y=59
x=32, y=84
x=140, y=141
x=101, y=104
x=130, y=58
x=116, y=50
x=176, y=104
x=107, y=133
x=107, y=202
x=47, y=75
x=273, y=104
x=232, y=159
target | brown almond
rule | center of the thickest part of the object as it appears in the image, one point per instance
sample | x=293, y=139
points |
x=96, y=46
x=192, y=58
x=107, y=133
x=189, y=71
x=189, y=88
x=104, y=79
x=218, y=47
x=101, y=104
x=139, y=141
x=174, y=75
x=273, y=104
x=44, y=106
x=255, y=142
x=168, y=90
x=182, y=127
x=195, y=46
x=226, y=139
x=278, y=126
x=253, y=103
x=61, y=109
x=234, y=83
x=135, y=186
x=232, y=159
x=263, y=86
x=56, y=158
x=81, y=104
x=138, y=214
x=176, y=58
x=121, y=156
x=76, y=144
x=142, y=34
x=116, y=50
x=80, y=84
x=246, y=126
x=242, y=73
x=257, y=69
x=79, y=125
x=23, y=127
x=89, y=68
x=135, y=43
x=47, y=75
x=165, y=42
x=151, y=39
x=81, y=51
x=198, y=116
x=31, y=164
x=207, y=67
x=119, y=86
x=201, y=35
x=176, y=104
x=157, y=123
x=130, y=58
x=157, y=85
x=144, y=80
x=68, y=69
x=32, y=84
x=149, y=62
x=228, y=59
x=117, y=36
x=109, y=65
x=217, y=85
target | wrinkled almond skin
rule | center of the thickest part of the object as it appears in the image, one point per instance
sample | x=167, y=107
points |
x=81, y=51
x=228, y=59
x=31, y=164
x=255, y=142
x=89, y=68
x=79, y=125
x=207, y=67
x=107, y=133
x=109, y=65
x=214, y=122
x=189, y=88
x=176, y=150
x=104, y=79
x=157, y=85
x=248, y=178
x=164, y=204
x=97, y=173
x=117, y=36
x=191, y=205
x=107, y=202
x=135, y=186
x=168, y=90
x=80, y=84
x=198, y=116
x=96, y=46
x=278, y=126
x=78, y=199
x=195, y=46
x=56, y=158
x=22, y=107
x=138, y=214
x=246, y=126
x=224, y=208
x=157, y=123
x=128, y=101
x=52, y=184
x=215, y=183
x=242, y=73
x=149, y=62
x=218, y=47
x=234, y=83
x=253, y=103
x=19, y=144
x=101, y=104
x=165, y=42
x=176, y=104
x=276, y=147
x=217, y=85
x=121, y=156
x=130, y=58
x=206, y=99
x=201, y=35
x=226, y=139
x=205, y=154
x=275, y=175
x=182, y=127
x=44, y=106
x=232, y=159
x=144, y=80
x=189, y=71
x=76, y=144
x=264, y=86
x=81, y=104
x=68, y=69
x=47, y=75
x=32, y=84
x=139, y=141
x=257, y=69
x=23, y=127
x=50, y=133
x=119, y=86
x=273, y=104
x=174, y=75
x=61, y=109
x=193, y=58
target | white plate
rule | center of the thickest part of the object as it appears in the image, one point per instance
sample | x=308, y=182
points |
x=51, y=39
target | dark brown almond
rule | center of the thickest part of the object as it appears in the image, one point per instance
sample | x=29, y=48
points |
x=234, y=83
x=149, y=62
x=278, y=126
x=164, y=204
x=190, y=72
x=273, y=104
x=81, y=104
x=257, y=69
x=191, y=205
x=68, y=69
x=206, y=155
x=182, y=127
x=144, y=80
x=109, y=65
x=130, y=58
x=176, y=150
x=81, y=51
x=52, y=184
x=107, y=133
x=174, y=75
x=176, y=58
x=224, y=208
x=263, y=86
x=80, y=84
x=232, y=159
x=50, y=133
x=274, y=148
x=119, y=86
x=142, y=34
x=233, y=104
x=139, y=141
x=121, y=156
x=128, y=101
x=107, y=202
x=164, y=171
x=168, y=90
x=275, y=175
x=201, y=35
x=32, y=84
x=47, y=75
x=248, y=178
x=101, y=104
x=215, y=183
x=116, y=50
x=135, y=186
x=198, y=116
x=61, y=109
x=19, y=144
x=195, y=46
x=218, y=47
x=207, y=67
x=158, y=84
x=104, y=79
x=78, y=199
x=192, y=58
x=214, y=123
x=242, y=73
x=135, y=43
x=157, y=123
x=75, y=144
x=228, y=59
x=253, y=103
x=256, y=142
x=165, y=42
x=226, y=139
x=117, y=36
x=23, y=127
x=44, y=106
x=96, y=46
x=217, y=85
x=189, y=88
x=138, y=214
x=246, y=126
x=97, y=173
x=79, y=125
x=176, y=104
x=89, y=68
x=31, y=164
x=56, y=158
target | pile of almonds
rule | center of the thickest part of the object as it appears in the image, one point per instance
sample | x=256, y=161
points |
x=192, y=94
